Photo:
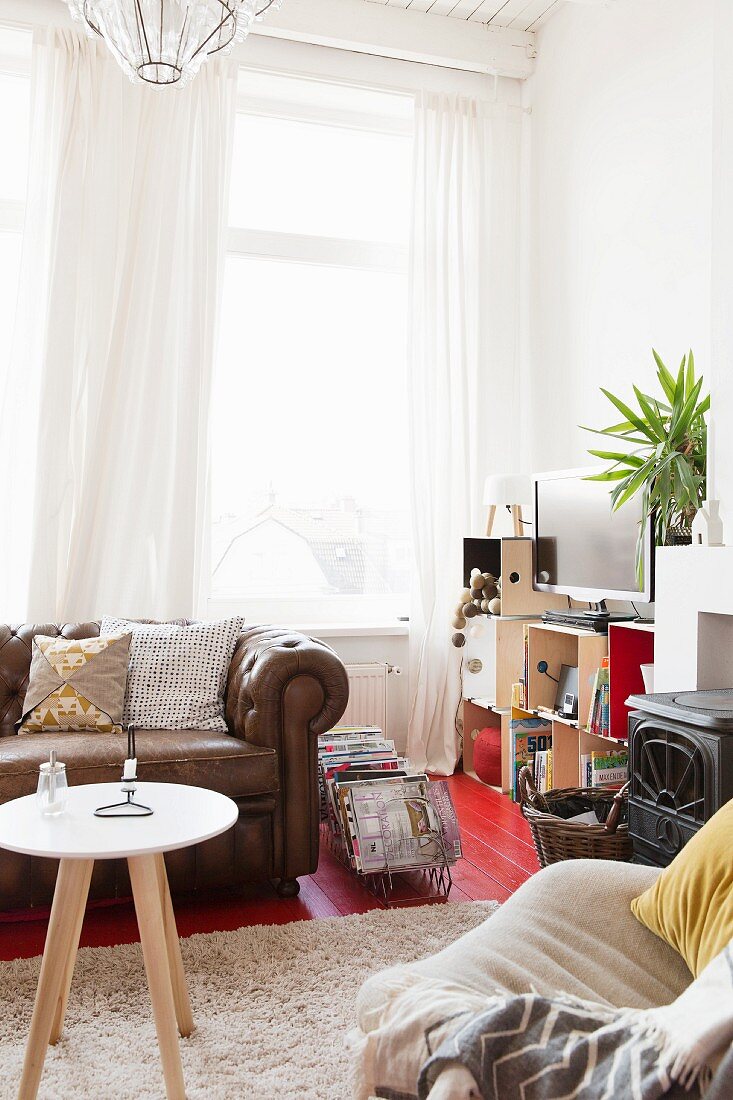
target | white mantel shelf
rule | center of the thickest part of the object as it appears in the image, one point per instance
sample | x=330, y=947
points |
x=694, y=618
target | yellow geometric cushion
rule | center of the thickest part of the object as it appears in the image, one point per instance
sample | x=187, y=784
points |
x=76, y=685
x=691, y=903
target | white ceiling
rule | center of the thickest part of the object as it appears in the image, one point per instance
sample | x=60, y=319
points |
x=520, y=15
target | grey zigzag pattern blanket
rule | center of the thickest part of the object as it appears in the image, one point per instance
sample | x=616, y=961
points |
x=537, y=1048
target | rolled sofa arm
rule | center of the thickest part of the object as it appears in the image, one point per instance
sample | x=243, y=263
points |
x=283, y=690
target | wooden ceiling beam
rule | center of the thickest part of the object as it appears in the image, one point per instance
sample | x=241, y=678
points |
x=404, y=34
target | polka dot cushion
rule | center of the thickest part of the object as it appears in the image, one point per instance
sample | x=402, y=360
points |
x=177, y=674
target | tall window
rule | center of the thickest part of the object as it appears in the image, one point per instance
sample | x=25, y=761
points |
x=309, y=463
x=15, y=46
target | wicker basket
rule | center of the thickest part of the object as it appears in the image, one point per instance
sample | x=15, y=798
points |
x=556, y=838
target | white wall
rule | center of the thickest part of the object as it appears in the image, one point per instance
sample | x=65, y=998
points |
x=618, y=211
x=721, y=442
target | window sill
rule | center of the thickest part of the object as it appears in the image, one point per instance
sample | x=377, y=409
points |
x=354, y=630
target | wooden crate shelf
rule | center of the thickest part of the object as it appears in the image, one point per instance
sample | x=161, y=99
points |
x=560, y=646
x=500, y=652
x=630, y=645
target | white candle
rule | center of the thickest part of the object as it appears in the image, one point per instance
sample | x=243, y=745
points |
x=130, y=769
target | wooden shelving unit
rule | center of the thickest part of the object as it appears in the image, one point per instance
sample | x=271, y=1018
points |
x=629, y=645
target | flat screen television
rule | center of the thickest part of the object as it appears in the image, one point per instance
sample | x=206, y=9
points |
x=583, y=549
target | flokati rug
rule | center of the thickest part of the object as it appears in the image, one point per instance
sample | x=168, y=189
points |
x=272, y=1005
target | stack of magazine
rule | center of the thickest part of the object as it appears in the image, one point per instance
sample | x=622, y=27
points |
x=383, y=815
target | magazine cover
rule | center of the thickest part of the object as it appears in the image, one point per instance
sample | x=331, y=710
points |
x=439, y=795
x=397, y=824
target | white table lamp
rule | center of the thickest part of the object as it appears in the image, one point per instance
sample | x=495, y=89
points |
x=507, y=491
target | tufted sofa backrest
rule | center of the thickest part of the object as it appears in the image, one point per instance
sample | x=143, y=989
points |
x=15, y=661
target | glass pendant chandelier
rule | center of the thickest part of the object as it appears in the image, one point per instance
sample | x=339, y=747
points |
x=166, y=41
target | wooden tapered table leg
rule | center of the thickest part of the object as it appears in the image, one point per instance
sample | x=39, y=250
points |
x=182, y=1002
x=58, y=1020
x=62, y=941
x=146, y=892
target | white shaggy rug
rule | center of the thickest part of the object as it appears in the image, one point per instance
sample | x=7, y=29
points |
x=272, y=1005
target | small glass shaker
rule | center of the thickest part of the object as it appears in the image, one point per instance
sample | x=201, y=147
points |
x=52, y=787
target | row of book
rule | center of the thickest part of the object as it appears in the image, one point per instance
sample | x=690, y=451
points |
x=599, y=714
x=604, y=769
x=383, y=814
x=530, y=746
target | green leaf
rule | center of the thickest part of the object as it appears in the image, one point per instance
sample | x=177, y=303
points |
x=688, y=481
x=690, y=380
x=614, y=435
x=681, y=422
x=627, y=412
x=679, y=390
x=634, y=485
x=653, y=418
x=666, y=381
x=623, y=426
x=617, y=456
x=703, y=407
x=665, y=487
x=607, y=475
x=662, y=408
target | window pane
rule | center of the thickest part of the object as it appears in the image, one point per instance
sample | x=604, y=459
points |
x=329, y=181
x=15, y=111
x=309, y=479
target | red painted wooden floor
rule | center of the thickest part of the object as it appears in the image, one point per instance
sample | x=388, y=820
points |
x=498, y=858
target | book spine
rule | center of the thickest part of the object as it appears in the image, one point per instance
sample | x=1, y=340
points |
x=592, y=710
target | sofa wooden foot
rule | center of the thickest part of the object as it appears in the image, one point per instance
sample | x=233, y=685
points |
x=288, y=887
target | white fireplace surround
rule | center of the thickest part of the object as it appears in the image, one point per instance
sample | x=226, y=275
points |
x=693, y=645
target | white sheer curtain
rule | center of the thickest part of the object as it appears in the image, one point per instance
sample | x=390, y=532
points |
x=463, y=376
x=123, y=259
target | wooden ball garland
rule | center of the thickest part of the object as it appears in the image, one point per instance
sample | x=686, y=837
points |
x=481, y=597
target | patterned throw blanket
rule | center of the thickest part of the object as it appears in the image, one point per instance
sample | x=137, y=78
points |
x=538, y=1048
x=436, y=1040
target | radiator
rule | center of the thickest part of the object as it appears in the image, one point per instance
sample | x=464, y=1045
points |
x=367, y=696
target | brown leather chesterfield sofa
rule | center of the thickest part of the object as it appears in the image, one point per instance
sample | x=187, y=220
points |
x=283, y=690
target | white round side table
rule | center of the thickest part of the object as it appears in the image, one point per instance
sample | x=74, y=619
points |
x=182, y=816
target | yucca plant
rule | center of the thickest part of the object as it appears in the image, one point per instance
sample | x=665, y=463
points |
x=666, y=455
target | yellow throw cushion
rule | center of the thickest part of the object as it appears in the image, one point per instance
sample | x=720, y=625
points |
x=691, y=903
x=76, y=684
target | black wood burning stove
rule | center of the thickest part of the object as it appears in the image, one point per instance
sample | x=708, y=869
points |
x=681, y=768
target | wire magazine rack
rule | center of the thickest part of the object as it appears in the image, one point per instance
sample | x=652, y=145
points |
x=398, y=886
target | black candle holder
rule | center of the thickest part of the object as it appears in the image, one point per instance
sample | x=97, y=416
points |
x=128, y=808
